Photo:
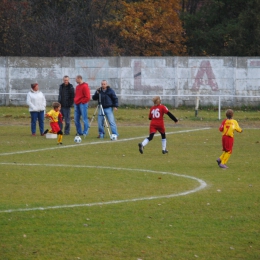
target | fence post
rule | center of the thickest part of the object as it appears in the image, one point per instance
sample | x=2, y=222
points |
x=219, y=107
x=7, y=83
x=197, y=105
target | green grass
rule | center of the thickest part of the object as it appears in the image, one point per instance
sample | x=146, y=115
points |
x=218, y=222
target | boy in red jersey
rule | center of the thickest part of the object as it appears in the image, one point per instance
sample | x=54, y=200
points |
x=228, y=126
x=157, y=124
x=55, y=116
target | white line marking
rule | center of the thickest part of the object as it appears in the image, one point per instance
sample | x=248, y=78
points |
x=202, y=185
x=99, y=142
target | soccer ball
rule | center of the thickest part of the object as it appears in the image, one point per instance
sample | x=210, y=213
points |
x=113, y=137
x=77, y=139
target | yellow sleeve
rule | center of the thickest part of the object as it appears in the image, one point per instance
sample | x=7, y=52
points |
x=237, y=127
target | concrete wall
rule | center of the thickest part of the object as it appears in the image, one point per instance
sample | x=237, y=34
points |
x=139, y=76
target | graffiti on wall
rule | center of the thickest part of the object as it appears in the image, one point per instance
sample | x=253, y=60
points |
x=205, y=77
x=91, y=68
x=254, y=63
x=138, y=79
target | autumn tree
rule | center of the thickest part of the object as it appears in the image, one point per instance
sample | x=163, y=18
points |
x=147, y=28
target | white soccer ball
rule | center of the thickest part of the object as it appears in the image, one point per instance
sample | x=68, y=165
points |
x=113, y=137
x=77, y=139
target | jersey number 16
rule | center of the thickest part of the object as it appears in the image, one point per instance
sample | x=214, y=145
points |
x=155, y=113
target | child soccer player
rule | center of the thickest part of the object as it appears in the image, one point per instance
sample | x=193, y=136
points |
x=157, y=124
x=55, y=115
x=228, y=126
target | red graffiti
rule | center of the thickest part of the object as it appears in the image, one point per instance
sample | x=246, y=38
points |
x=205, y=69
x=254, y=63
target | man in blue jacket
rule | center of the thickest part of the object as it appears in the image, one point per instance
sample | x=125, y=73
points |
x=109, y=101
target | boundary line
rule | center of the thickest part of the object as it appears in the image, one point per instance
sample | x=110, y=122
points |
x=202, y=185
x=100, y=142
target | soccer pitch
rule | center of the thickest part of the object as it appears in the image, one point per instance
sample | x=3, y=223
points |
x=102, y=199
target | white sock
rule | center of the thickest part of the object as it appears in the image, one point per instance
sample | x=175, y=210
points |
x=163, y=144
x=145, y=142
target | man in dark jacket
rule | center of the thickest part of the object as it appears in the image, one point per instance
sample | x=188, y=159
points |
x=66, y=99
x=109, y=101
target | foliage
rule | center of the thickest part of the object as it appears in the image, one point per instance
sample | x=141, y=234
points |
x=148, y=28
x=129, y=27
x=90, y=28
x=224, y=28
x=14, y=16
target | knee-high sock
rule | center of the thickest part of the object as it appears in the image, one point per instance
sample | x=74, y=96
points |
x=145, y=142
x=224, y=157
x=221, y=156
x=163, y=144
x=59, y=138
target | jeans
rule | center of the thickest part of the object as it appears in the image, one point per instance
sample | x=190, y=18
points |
x=65, y=111
x=111, y=120
x=34, y=116
x=81, y=110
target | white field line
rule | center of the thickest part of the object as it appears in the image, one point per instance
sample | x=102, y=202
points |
x=99, y=142
x=202, y=185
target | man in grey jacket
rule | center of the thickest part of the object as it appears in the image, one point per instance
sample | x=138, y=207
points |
x=66, y=99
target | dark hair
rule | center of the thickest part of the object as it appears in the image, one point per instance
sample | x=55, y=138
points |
x=56, y=104
x=34, y=85
x=229, y=113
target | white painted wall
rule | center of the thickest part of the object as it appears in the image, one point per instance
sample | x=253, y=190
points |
x=139, y=76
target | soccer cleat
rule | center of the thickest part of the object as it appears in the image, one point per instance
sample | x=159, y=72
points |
x=164, y=151
x=218, y=161
x=141, y=148
x=46, y=131
x=223, y=166
x=84, y=135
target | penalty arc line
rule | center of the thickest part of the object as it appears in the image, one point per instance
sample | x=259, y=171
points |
x=202, y=185
x=100, y=142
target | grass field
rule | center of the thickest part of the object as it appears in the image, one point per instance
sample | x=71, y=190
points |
x=102, y=199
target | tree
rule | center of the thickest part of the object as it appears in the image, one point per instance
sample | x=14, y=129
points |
x=191, y=6
x=91, y=28
x=147, y=28
x=14, y=15
x=224, y=28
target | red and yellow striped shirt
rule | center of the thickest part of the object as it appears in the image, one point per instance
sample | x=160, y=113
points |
x=228, y=126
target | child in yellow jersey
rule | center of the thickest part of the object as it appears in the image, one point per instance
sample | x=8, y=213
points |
x=228, y=126
x=55, y=115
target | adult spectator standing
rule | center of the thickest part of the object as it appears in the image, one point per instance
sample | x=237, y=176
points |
x=109, y=101
x=81, y=99
x=37, y=104
x=66, y=99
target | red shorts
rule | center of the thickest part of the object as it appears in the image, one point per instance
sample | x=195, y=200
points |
x=55, y=128
x=155, y=128
x=227, y=143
